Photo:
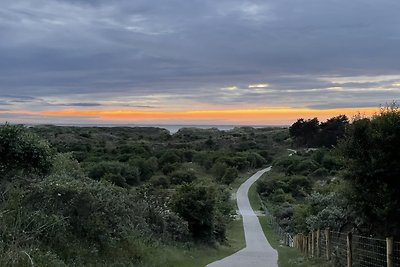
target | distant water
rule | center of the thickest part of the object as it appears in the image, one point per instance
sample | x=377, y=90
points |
x=174, y=128
x=171, y=128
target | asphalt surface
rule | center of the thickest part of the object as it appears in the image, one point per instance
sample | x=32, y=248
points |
x=258, y=252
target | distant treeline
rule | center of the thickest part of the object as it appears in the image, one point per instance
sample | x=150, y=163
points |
x=313, y=133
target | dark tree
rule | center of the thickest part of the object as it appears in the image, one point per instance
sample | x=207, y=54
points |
x=304, y=131
x=332, y=130
x=197, y=205
x=372, y=156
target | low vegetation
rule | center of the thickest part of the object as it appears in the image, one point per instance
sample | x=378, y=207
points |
x=75, y=196
x=92, y=196
x=348, y=184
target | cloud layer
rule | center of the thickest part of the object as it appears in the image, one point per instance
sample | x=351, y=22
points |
x=198, y=55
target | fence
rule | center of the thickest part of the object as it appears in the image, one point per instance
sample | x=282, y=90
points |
x=284, y=236
x=346, y=249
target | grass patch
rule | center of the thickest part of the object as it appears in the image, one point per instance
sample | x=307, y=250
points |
x=201, y=255
x=287, y=257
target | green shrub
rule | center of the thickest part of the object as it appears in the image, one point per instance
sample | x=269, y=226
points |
x=320, y=173
x=182, y=176
x=169, y=157
x=305, y=167
x=299, y=186
x=197, y=205
x=160, y=181
x=230, y=175
x=116, y=172
x=65, y=164
x=146, y=167
x=218, y=170
x=169, y=168
x=80, y=220
x=22, y=151
x=256, y=160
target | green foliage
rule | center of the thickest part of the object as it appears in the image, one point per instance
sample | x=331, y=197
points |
x=146, y=167
x=218, y=170
x=119, y=173
x=197, y=205
x=168, y=157
x=22, y=151
x=328, y=210
x=205, y=208
x=371, y=153
x=81, y=220
x=320, y=173
x=284, y=188
x=312, y=133
x=68, y=219
x=255, y=160
x=230, y=175
x=304, y=131
x=182, y=176
x=65, y=164
x=298, y=221
x=160, y=181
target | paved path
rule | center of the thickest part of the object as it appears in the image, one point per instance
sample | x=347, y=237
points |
x=258, y=252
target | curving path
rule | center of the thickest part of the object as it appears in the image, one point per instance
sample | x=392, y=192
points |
x=258, y=252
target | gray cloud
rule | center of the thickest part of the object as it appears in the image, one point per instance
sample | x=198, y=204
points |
x=81, y=104
x=85, y=53
x=330, y=105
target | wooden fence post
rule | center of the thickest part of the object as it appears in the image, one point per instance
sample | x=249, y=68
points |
x=349, y=250
x=318, y=243
x=328, y=243
x=389, y=251
x=312, y=243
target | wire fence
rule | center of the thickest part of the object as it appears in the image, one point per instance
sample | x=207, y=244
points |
x=396, y=254
x=284, y=236
x=322, y=244
x=341, y=249
x=345, y=249
x=369, y=252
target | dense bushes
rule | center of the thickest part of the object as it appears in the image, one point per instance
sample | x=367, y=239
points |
x=203, y=206
x=372, y=156
x=296, y=186
x=107, y=196
x=182, y=176
x=61, y=214
x=291, y=188
x=118, y=173
x=23, y=151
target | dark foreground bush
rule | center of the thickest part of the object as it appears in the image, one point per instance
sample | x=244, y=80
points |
x=81, y=221
x=205, y=208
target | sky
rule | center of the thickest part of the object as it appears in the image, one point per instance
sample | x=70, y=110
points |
x=219, y=62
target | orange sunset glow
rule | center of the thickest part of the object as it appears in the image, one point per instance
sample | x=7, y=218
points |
x=260, y=116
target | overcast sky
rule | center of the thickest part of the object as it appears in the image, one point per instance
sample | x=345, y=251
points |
x=180, y=55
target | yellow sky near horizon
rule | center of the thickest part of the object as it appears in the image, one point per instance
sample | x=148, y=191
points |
x=259, y=116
